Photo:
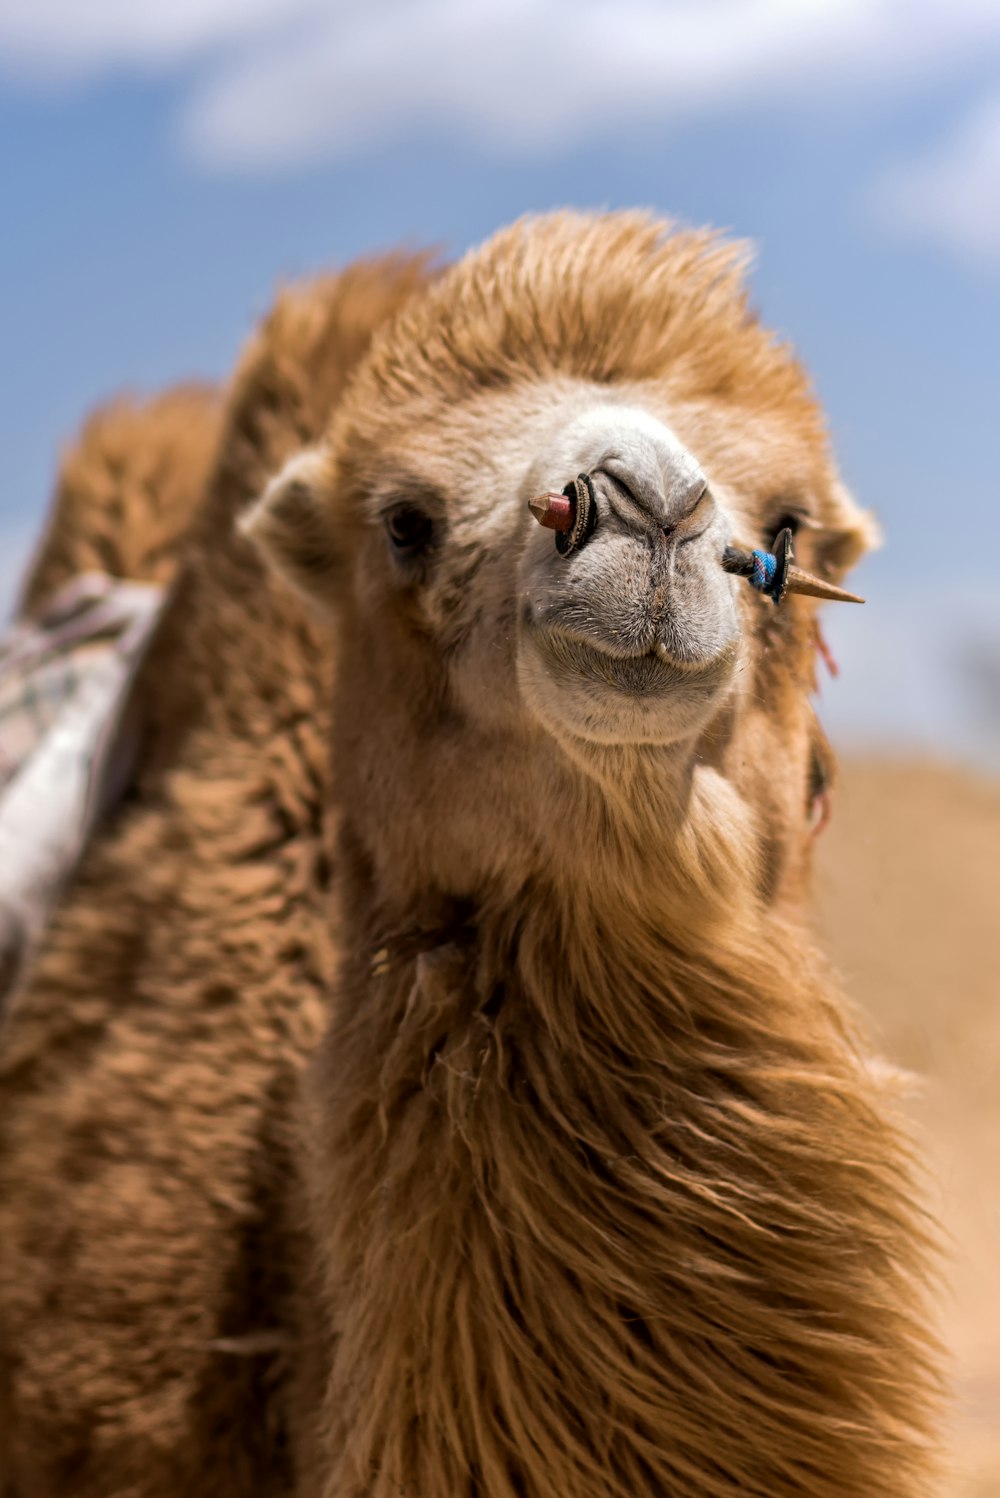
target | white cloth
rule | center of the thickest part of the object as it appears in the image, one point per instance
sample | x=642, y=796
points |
x=64, y=681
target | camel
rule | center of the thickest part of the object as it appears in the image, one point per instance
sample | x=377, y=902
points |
x=591, y=1191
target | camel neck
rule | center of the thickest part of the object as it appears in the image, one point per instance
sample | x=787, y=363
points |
x=632, y=1194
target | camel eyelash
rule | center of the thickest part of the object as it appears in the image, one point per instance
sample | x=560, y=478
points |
x=795, y=518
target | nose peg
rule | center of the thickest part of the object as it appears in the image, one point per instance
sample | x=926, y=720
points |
x=775, y=574
x=571, y=514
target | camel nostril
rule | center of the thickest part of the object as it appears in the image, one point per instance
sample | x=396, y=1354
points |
x=694, y=519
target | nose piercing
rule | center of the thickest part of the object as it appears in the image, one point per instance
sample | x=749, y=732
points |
x=775, y=574
x=571, y=514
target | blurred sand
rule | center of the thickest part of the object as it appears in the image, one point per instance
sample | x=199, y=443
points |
x=909, y=890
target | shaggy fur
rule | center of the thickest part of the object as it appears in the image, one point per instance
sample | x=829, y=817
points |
x=603, y=1200
x=128, y=491
x=146, y=1081
x=607, y=1200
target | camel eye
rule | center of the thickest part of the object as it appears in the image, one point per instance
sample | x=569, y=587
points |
x=411, y=530
x=792, y=519
x=789, y=522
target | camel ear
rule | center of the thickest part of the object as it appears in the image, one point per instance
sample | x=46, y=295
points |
x=292, y=524
x=851, y=531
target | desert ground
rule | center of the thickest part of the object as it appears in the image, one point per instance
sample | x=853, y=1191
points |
x=909, y=893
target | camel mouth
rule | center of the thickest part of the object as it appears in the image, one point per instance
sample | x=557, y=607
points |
x=647, y=671
x=600, y=691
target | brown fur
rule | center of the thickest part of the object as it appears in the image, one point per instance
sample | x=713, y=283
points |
x=607, y=1199
x=127, y=491
x=146, y=1080
x=604, y=1200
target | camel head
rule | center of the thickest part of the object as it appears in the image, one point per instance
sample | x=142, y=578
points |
x=500, y=683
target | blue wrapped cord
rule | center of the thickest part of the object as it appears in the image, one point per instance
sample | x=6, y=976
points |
x=765, y=568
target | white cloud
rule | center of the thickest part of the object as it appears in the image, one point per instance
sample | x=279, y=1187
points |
x=529, y=76
x=66, y=39
x=951, y=197
x=282, y=81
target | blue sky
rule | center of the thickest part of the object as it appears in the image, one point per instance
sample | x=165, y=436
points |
x=164, y=170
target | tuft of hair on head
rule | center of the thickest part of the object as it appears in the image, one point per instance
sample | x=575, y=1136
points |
x=292, y=525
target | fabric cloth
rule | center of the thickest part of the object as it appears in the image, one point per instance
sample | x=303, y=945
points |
x=64, y=752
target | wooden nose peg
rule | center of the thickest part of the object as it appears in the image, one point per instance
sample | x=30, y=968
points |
x=554, y=511
x=571, y=514
x=775, y=574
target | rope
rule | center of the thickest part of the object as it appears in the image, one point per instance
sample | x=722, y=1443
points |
x=765, y=565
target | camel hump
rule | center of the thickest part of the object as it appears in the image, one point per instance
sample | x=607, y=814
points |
x=125, y=499
x=140, y=494
x=127, y=492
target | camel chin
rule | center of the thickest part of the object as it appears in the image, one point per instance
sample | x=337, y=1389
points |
x=574, y=687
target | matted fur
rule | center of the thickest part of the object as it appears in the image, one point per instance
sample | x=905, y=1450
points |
x=607, y=1199
x=147, y=1081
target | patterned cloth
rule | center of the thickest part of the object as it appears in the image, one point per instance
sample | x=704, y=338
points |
x=64, y=751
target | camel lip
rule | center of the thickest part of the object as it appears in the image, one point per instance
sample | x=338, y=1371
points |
x=610, y=648
x=644, y=671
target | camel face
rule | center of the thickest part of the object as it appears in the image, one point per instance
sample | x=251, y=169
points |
x=565, y=346
x=632, y=638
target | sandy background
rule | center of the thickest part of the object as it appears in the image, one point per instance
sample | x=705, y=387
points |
x=909, y=892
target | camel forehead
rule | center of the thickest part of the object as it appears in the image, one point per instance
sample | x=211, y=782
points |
x=624, y=432
x=606, y=309
x=523, y=438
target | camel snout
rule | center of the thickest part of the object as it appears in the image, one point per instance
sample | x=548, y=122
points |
x=634, y=634
x=670, y=504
